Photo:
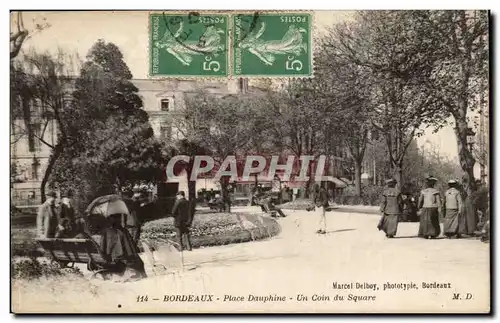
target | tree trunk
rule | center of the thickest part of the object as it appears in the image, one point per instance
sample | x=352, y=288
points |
x=225, y=193
x=357, y=176
x=398, y=174
x=311, y=180
x=58, y=149
x=466, y=158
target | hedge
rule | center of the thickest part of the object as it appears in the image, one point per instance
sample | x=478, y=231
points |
x=213, y=229
x=298, y=204
x=23, y=243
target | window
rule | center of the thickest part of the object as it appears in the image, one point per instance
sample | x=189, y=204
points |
x=35, y=166
x=165, y=104
x=165, y=132
x=34, y=132
x=31, y=195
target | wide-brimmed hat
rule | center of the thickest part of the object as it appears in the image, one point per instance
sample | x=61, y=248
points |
x=452, y=181
x=431, y=178
x=67, y=193
x=52, y=194
x=390, y=180
x=181, y=193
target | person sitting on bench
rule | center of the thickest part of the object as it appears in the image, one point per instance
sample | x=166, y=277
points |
x=267, y=205
x=64, y=229
x=117, y=243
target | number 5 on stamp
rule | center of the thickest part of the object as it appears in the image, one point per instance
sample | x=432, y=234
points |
x=188, y=44
x=272, y=44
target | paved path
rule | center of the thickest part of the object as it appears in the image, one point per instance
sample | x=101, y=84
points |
x=298, y=261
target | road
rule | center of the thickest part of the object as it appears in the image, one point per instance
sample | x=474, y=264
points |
x=299, y=264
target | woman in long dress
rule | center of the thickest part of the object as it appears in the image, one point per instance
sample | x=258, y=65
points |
x=391, y=209
x=453, y=209
x=430, y=205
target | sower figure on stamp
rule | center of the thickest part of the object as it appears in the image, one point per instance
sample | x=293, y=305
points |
x=453, y=208
x=391, y=208
x=182, y=220
x=320, y=202
x=47, y=218
x=430, y=205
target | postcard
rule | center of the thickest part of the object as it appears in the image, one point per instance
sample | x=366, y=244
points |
x=250, y=161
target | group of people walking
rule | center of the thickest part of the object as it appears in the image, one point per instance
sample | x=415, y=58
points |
x=456, y=210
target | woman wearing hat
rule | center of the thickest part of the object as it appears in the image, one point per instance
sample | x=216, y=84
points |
x=453, y=209
x=430, y=205
x=391, y=208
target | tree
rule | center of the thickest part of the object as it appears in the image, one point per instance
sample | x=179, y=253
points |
x=40, y=86
x=460, y=76
x=442, y=54
x=297, y=122
x=20, y=34
x=388, y=43
x=343, y=88
x=110, y=141
x=221, y=127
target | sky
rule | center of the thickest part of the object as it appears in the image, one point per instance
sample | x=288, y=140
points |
x=76, y=32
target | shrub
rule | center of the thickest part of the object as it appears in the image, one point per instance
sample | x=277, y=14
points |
x=213, y=229
x=32, y=268
x=23, y=243
x=298, y=204
x=370, y=195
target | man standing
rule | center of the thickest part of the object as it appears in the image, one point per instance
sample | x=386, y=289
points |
x=67, y=209
x=182, y=220
x=320, y=201
x=391, y=208
x=47, y=218
x=452, y=208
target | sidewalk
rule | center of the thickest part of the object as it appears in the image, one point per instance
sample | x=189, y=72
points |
x=298, y=261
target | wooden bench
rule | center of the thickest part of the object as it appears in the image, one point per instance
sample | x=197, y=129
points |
x=67, y=252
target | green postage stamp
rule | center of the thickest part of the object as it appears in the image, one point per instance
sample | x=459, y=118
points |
x=190, y=44
x=194, y=44
x=272, y=44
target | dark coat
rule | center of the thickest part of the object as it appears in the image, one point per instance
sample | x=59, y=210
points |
x=182, y=213
x=67, y=212
x=320, y=198
x=47, y=220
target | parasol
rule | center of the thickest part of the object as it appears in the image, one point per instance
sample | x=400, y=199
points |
x=107, y=205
